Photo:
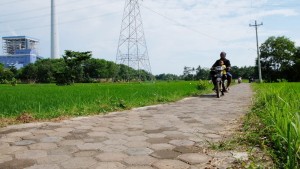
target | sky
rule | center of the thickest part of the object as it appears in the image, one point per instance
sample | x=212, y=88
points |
x=178, y=33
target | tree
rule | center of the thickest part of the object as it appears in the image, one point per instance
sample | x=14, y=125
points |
x=277, y=58
x=29, y=73
x=167, y=77
x=295, y=70
x=73, y=70
x=202, y=73
x=188, y=73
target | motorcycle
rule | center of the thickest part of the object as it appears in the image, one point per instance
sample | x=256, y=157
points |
x=220, y=85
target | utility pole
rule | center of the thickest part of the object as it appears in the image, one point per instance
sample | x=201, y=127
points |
x=258, y=55
x=132, y=49
x=54, y=33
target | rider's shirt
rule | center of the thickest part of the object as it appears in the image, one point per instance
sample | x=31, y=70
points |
x=224, y=70
x=226, y=63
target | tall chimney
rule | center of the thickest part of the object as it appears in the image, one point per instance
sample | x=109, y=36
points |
x=54, y=33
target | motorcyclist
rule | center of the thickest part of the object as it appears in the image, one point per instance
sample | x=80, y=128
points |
x=228, y=66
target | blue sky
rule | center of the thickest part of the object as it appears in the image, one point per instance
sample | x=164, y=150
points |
x=178, y=32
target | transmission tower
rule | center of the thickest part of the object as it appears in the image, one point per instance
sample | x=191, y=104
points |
x=132, y=48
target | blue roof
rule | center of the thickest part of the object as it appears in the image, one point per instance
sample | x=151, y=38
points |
x=19, y=37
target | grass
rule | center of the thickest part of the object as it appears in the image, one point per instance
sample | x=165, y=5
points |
x=275, y=122
x=48, y=101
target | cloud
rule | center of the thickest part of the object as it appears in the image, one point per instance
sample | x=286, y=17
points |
x=178, y=32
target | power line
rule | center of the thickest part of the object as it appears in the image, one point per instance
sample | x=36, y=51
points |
x=10, y=2
x=36, y=9
x=61, y=23
x=48, y=14
x=182, y=25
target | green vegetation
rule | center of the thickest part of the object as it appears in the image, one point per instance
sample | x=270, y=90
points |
x=280, y=60
x=276, y=118
x=46, y=101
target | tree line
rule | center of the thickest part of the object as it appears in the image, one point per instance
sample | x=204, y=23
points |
x=279, y=57
x=73, y=67
x=199, y=73
x=280, y=61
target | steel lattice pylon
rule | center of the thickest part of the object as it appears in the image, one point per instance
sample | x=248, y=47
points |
x=132, y=48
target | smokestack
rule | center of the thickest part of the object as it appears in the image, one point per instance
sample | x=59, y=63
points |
x=54, y=33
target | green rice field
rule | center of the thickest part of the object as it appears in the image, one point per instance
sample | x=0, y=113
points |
x=46, y=101
x=278, y=106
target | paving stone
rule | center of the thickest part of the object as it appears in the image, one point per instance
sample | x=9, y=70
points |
x=83, y=127
x=51, y=139
x=194, y=158
x=156, y=135
x=63, y=150
x=50, y=159
x=137, y=144
x=170, y=164
x=109, y=165
x=49, y=166
x=162, y=146
x=115, y=141
x=3, y=145
x=31, y=154
x=71, y=142
x=182, y=142
x=12, y=149
x=139, y=160
x=157, y=140
x=42, y=146
x=98, y=134
x=4, y=158
x=137, y=138
x=37, y=132
x=113, y=148
x=59, y=134
x=18, y=134
x=94, y=139
x=165, y=154
x=114, y=135
x=109, y=157
x=17, y=164
x=79, y=162
x=240, y=155
x=35, y=137
x=213, y=136
x=139, y=167
x=188, y=149
x=64, y=129
x=24, y=142
x=10, y=139
x=99, y=129
x=138, y=151
x=90, y=146
x=85, y=153
x=132, y=132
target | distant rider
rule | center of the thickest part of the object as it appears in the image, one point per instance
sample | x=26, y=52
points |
x=228, y=74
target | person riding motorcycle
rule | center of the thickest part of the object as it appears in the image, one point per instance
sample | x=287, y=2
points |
x=228, y=74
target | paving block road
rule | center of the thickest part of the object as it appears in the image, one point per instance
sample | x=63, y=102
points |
x=168, y=136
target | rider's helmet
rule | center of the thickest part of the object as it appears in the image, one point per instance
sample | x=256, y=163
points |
x=223, y=54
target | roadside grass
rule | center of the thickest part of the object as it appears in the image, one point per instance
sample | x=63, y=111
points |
x=274, y=123
x=35, y=102
x=247, y=138
x=272, y=126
